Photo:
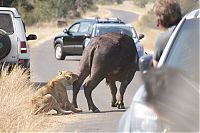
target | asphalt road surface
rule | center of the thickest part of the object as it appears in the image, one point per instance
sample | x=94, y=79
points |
x=44, y=67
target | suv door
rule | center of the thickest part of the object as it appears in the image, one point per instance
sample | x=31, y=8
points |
x=73, y=43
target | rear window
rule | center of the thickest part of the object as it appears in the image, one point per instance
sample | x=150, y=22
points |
x=117, y=29
x=6, y=23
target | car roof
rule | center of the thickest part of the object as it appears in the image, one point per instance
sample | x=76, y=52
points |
x=114, y=24
x=11, y=9
x=194, y=14
x=102, y=20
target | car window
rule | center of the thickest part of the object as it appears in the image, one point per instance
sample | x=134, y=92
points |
x=117, y=29
x=74, y=28
x=84, y=27
x=6, y=23
x=184, y=53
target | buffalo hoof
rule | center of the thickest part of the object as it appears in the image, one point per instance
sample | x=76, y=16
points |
x=121, y=106
x=94, y=110
x=75, y=105
x=114, y=104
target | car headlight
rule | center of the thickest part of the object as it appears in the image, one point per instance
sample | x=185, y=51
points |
x=146, y=119
x=141, y=118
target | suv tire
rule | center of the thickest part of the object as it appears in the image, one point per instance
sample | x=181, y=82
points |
x=59, y=52
x=5, y=44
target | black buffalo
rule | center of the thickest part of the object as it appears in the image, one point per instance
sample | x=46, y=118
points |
x=112, y=56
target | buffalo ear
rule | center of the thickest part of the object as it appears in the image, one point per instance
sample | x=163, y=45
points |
x=60, y=72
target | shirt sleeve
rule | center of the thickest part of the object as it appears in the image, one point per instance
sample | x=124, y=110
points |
x=161, y=43
x=158, y=49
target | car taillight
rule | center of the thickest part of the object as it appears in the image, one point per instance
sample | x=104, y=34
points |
x=23, y=47
x=22, y=60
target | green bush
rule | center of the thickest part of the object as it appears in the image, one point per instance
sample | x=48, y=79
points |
x=140, y=3
x=34, y=11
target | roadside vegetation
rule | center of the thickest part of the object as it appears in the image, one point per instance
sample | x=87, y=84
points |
x=37, y=11
x=15, y=104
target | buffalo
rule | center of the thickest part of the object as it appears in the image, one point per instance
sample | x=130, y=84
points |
x=112, y=56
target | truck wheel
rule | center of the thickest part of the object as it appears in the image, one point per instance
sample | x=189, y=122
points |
x=59, y=52
x=5, y=44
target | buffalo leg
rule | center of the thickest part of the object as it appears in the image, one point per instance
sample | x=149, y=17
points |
x=90, y=84
x=113, y=90
x=76, y=87
x=120, y=102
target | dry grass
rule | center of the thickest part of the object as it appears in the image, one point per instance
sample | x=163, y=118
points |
x=15, y=106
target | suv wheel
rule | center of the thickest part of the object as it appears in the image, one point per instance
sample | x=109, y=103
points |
x=59, y=52
x=5, y=44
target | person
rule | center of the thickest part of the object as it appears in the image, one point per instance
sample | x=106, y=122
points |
x=168, y=15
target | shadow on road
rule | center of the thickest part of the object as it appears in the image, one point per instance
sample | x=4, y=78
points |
x=105, y=111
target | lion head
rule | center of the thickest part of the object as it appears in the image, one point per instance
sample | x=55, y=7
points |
x=69, y=76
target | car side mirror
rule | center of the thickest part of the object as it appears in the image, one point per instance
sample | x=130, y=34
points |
x=145, y=63
x=31, y=37
x=141, y=36
x=65, y=31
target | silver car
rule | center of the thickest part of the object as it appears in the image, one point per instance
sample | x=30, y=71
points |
x=169, y=99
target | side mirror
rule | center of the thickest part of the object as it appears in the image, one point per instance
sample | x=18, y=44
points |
x=145, y=63
x=141, y=36
x=31, y=37
x=65, y=31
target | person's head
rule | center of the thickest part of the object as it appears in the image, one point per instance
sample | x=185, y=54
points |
x=168, y=12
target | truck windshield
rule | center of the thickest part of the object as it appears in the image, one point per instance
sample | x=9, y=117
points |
x=6, y=23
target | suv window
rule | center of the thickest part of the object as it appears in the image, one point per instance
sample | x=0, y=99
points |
x=74, y=28
x=6, y=23
x=118, y=29
x=184, y=54
x=84, y=27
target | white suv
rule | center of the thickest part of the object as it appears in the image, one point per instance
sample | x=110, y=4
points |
x=13, y=41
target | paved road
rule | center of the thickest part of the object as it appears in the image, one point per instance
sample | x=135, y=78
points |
x=44, y=67
x=126, y=16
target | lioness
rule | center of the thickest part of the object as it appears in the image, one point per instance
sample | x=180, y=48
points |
x=53, y=96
